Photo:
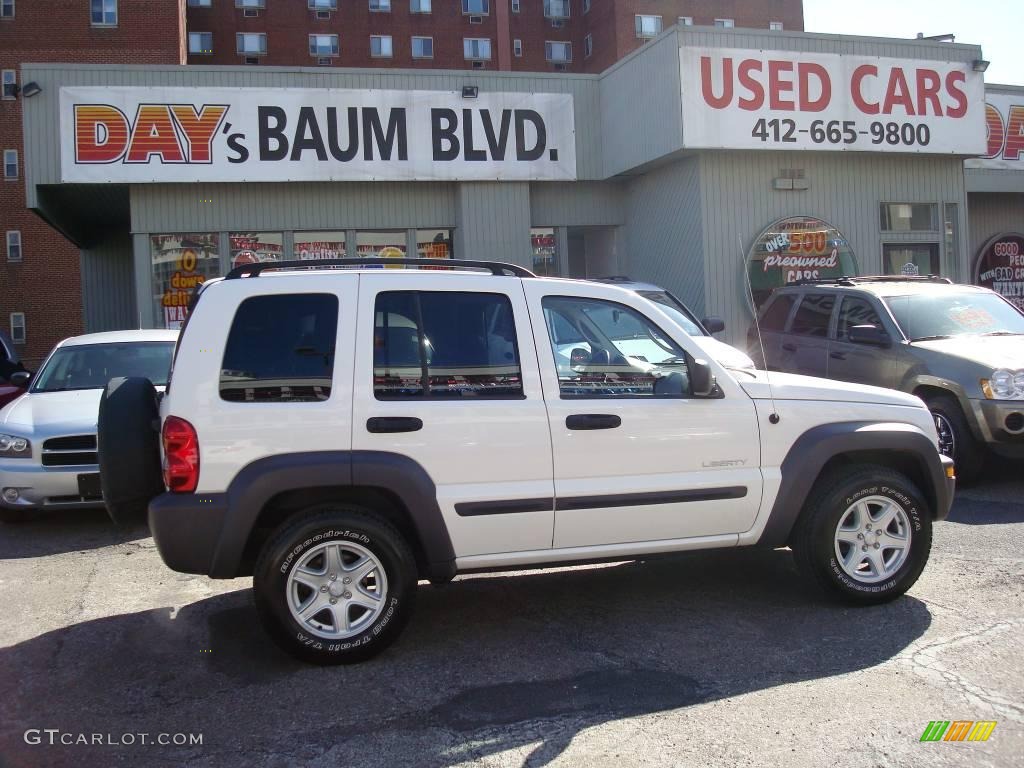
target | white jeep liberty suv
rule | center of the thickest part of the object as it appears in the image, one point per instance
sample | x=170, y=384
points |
x=340, y=431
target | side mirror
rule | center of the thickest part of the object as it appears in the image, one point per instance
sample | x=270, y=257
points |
x=702, y=382
x=579, y=358
x=20, y=379
x=871, y=335
x=713, y=324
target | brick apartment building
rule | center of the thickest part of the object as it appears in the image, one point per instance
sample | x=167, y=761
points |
x=40, y=278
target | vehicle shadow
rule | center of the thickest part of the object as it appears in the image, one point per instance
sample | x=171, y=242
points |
x=487, y=664
x=997, y=498
x=53, y=532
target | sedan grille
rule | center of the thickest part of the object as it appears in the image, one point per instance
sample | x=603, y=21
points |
x=74, y=451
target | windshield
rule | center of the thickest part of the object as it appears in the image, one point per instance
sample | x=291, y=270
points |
x=91, y=366
x=942, y=316
x=675, y=310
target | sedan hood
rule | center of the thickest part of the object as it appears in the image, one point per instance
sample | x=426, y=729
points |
x=70, y=412
x=990, y=351
x=790, y=386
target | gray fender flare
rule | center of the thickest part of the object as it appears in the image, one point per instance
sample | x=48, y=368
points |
x=818, y=445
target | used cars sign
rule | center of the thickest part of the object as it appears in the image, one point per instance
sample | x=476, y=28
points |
x=140, y=135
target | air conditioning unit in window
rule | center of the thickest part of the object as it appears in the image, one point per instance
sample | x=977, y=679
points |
x=478, y=65
x=323, y=15
x=324, y=61
x=557, y=23
x=560, y=67
x=476, y=19
x=251, y=13
x=251, y=60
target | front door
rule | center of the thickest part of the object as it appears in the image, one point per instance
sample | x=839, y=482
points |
x=636, y=456
x=448, y=377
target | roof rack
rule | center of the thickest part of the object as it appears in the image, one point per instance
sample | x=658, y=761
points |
x=851, y=280
x=497, y=268
x=615, y=279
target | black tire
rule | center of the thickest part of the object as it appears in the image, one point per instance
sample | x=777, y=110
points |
x=13, y=516
x=814, y=538
x=128, y=431
x=310, y=529
x=968, y=454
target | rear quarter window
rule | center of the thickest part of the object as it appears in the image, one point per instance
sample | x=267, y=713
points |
x=281, y=349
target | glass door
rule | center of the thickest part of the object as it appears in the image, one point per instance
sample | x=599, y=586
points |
x=911, y=258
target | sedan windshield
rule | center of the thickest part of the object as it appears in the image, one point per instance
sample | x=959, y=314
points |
x=675, y=310
x=943, y=316
x=91, y=366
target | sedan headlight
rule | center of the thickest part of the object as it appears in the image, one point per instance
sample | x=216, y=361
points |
x=1004, y=385
x=14, y=447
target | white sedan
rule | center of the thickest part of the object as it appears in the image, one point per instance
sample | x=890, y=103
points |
x=48, y=454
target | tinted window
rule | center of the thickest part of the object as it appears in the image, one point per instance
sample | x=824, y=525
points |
x=813, y=314
x=281, y=349
x=91, y=366
x=774, y=318
x=445, y=345
x=612, y=351
x=854, y=311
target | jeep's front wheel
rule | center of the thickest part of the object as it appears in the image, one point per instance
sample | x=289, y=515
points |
x=335, y=585
x=865, y=534
x=955, y=438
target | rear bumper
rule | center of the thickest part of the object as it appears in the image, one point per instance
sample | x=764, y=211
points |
x=187, y=528
x=944, y=494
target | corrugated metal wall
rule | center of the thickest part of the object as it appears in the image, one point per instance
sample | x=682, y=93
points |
x=663, y=234
x=576, y=204
x=493, y=222
x=108, y=288
x=739, y=201
x=990, y=215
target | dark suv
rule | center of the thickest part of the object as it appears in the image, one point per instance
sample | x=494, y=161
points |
x=960, y=348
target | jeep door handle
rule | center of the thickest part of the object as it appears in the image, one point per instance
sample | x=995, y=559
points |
x=789, y=347
x=389, y=424
x=837, y=355
x=592, y=421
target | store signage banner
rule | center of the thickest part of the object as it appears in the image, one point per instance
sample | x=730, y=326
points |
x=750, y=99
x=158, y=135
x=1004, y=132
x=1000, y=267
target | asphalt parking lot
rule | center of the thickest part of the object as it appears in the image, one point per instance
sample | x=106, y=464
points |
x=702, y=659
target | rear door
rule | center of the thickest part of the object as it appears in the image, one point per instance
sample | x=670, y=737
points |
x=772, y=325
x=859, y=362
x=453, y=367
x=804, y=347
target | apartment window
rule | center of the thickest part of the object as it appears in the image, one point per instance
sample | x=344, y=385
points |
x=252, y=43
x=515, y=6
x=200, y=3
x=558, y=52
x=476, y=7
x=380, y=46
x=686, y=21
x=517, y=47
x=10, y=163
x=200, y=42
x=18, y=327
x=423, y=47
x=909, y=217
x=104, y=13
x=556, y=9
x=10, y=79
x=725, y=23
x=476, y=48
x=647, y=26
x=382, y=6
x=586, y=6
x=775, y=26
x=323, y=5
x=323, y=45
x=6, y=9
x=14, y=245
x=419, y=6
x=588, y=46
x=249, y=3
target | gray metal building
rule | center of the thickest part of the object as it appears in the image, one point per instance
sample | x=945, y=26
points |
x=651, y=196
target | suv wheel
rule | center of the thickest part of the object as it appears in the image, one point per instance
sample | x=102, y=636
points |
x=335, y=585
x=955, y=437
x=865, y=534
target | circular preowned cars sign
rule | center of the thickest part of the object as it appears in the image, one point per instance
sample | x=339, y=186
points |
x=1000, y=267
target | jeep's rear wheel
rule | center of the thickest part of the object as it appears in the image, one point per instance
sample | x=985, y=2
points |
x=955, y=437
x=864, y=535
x=335, y=585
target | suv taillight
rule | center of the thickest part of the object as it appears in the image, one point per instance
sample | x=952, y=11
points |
x=181, y=455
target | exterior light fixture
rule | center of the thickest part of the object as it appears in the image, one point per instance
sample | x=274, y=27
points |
x=31, y=89
x=979, y=65
x=470, y=91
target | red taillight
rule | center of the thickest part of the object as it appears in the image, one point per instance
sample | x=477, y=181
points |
x=181, y=455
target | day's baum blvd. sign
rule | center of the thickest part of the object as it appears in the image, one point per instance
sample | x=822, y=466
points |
x=157, y=135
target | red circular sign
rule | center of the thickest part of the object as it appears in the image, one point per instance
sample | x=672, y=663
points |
x=1000, y=267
